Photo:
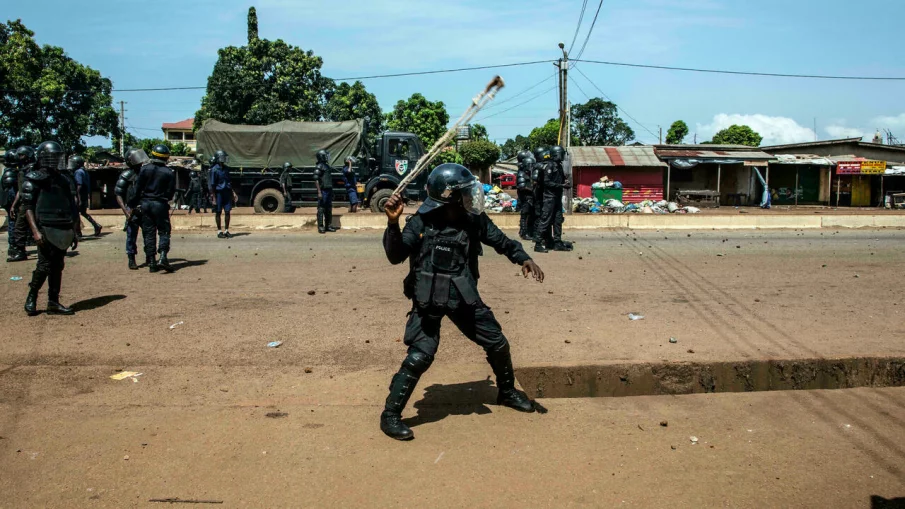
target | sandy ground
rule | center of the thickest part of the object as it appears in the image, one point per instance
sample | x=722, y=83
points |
x=194, y=425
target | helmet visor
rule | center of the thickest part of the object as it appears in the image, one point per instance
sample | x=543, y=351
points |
x=137, y=158
x=473, y=198
x=224, y=159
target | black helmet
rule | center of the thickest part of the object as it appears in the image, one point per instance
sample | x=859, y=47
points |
x=529, y=160
x=25, y=154
x=287, y=166
x=10, y=160
x=452, y=183
x=136, y=158
x=221, y=157
x=322, y=156
x=557, y=153
x=539, y=153
x=522, y=154
x=211, y=161
x=50, y=155
x=160, y=152
x=75, y=162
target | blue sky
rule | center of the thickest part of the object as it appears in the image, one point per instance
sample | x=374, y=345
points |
x=168, y=43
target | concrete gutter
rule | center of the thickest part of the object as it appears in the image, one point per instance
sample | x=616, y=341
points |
x=575, y=222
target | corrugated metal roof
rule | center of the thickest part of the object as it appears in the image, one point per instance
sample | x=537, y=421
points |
x=683, y=153
x=615, y=156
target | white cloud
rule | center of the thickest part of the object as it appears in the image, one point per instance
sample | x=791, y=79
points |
x=775, y=130
x=840, y=131
x=896, y=123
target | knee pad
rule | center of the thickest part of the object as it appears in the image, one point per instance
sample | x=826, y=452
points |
x=417, y=362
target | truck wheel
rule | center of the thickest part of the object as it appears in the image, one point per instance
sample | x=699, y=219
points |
x=379, y=200
x=269, y=201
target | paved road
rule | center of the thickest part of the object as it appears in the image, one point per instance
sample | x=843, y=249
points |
x=194, y=424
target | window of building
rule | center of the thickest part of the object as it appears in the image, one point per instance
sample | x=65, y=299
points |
x=189, y=136
x=174, y=136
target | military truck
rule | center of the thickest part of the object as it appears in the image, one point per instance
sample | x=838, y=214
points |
x=257, y=153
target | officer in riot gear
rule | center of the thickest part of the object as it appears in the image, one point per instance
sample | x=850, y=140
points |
x=442, y=242
x=9, y=188
x=542, y=157
x=26, y=160
x=195, y=192
x=49, y=203
x=221, y=188
x=286, y=186
x=154, y=188
x=125, y=192
x=323, y=180
x=525, y=188
x=556, y=185
x=76, y=167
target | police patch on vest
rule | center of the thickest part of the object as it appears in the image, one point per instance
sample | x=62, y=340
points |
x=402, y=166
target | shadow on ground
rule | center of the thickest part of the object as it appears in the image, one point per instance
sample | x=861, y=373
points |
x=180, y=263
x=96, y=302
x=440, y=401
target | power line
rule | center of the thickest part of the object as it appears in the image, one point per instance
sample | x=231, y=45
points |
x=517, y=105
x=421, y=73
x=588, y=38
x=504, y=101
x=585, y=94
x=745, y=73
x=584, y=6
x=617, y=106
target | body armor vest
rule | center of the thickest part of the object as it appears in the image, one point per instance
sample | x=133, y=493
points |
x=325, y=176
x=443, y=278
x=55, y=200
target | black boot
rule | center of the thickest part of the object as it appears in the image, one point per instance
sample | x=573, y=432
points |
x=132, y=264
x=55, y=308
x=501, y=363
x=320, y=220
x=401, y=389
x=152, y=264
x=97, y=229
x=164, y=263
x=561, y=246
x=539, y=247
x=31, y=302
x=17, y=256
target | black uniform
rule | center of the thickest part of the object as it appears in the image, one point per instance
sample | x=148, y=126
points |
x=50, y=195
x=549, y=229
x=193, y=195
x=286, y=183
x=21, y=232
x=525, y=188
x=9, y=187
x=125, y=189
x=324, y=175
x=154, y=189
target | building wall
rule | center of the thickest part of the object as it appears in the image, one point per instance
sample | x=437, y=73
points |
x=878, y=153
x=638, y=184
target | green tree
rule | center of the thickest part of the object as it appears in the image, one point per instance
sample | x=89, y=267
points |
x=252, y=24
x=419, y=116
x=46, y=95
x=181, y=149
x=478, y=132
x=129, y=141
x=544, y=136
x=478, y=156
x=447, y=156
x=677, y=133
x=148, y=143
x=597, y=123
x=512, y=147
x=265, y=82
x=738, y=135
x=350, y=102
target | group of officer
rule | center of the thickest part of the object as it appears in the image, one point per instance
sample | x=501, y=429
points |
x=540, y=183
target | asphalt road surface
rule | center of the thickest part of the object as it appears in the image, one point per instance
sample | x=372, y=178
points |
x=194, y=425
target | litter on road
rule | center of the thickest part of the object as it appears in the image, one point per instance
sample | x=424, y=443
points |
x=274, y=344
x=126, y=374
x=634, y=316
x=16, y=278
x=176, y=325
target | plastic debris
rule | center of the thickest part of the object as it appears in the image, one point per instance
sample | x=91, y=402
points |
x=634, y=316
x=176, y=325
x=673, y=340
x=274, y=344
x=16, y=278
x=694, y=440
x=122, y=375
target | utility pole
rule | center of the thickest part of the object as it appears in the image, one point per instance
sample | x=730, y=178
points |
x=661, y=134
x=122, y=127
x=567, y=110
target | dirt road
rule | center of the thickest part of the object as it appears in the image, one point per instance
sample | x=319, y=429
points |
x=194, y=425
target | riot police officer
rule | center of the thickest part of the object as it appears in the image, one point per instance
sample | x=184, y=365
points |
x=323, y=180
x=125, y=192
x=76, y=166
x=26, y=157
x=195, y=192
x=525, y=188
x=286, y=186
x=221, y=188
x=442, y=242
x=9, y=188
x=49, y=203
x=558, y=183
x=154, y=189
x=552, y=182
x=542, y=157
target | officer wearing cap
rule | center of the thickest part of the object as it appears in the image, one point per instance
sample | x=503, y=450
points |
x=442, y=242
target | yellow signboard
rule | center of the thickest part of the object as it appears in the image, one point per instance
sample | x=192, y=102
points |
x=873, y=167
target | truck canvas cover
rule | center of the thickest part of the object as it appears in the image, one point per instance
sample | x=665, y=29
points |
x=269, y=146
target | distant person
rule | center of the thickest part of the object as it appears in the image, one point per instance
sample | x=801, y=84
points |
x=83, y=190
x=286, y=186
x=10, y=186
x=323, y=180
x=221, y=188
x=195, y=192
x=125, y=192
x=351, y=181
x=154, y=189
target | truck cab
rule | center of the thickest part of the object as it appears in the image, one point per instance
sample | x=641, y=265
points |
x=395, y=154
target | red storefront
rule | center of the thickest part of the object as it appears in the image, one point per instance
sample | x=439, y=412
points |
x=637, y=168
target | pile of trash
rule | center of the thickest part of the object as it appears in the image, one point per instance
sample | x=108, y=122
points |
x=606, y=183
x=592, y=206
x=497, y=200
